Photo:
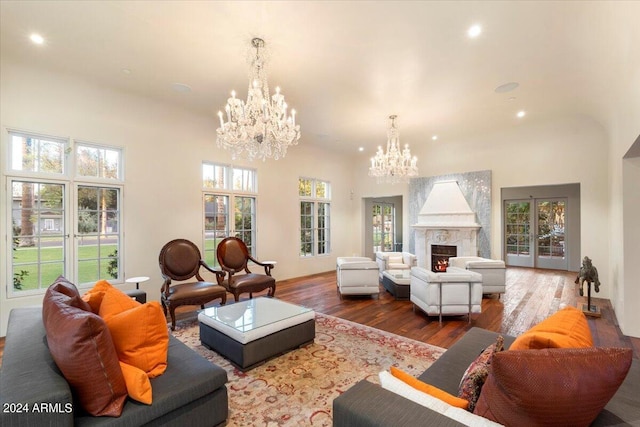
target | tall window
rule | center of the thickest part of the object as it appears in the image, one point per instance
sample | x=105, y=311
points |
x=41, y=174
x=225, y=188
x=39, y=252
x=98, y=233
x=315, y=215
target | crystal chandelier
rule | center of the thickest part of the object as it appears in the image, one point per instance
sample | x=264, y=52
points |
x=394, y=165
x=261, y=127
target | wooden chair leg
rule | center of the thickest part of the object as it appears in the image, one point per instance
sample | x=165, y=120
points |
x=172, y=310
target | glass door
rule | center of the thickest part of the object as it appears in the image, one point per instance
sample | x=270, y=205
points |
x=383, y=215
x=550, y=238
x=534, y=234
x=518, y=233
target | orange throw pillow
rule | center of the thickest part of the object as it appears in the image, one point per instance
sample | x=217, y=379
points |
x=567, y=328
x=138, y=384
x=140, y=337
x=115, y=302
x=94, y=295
x=429, y=389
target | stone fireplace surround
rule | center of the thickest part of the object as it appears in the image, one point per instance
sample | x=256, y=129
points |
x=445, y=219
x=476, y=189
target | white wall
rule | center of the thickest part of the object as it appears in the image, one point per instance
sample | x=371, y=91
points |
x=624, y=177
x=624, y=241
x=164, y=148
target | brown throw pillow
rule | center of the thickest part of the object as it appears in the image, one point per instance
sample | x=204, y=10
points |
x=65, y=287
x=81, y=346
x=476, y=374
x=552, y=387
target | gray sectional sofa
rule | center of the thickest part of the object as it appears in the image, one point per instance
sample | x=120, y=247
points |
x=33, y=392
x=367, y=404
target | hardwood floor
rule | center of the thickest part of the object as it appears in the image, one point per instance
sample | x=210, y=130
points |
x=531, y=296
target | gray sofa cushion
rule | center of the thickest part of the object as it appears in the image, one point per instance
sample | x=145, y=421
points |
x=368, y=405
x=187, y=378
x=29, y=375
x=192, y=390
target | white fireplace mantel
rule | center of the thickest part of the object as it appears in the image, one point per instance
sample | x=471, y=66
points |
x=445, y=219
x=465, y=239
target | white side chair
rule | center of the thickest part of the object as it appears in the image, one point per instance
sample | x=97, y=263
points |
x=357, y=276
x=395, y=261
x=456, y=292
x=492, y=271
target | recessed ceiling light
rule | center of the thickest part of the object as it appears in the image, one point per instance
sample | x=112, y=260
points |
x=434, y=137
x=507, y=87
x=474, y=31
x=37, y=38
x=181, y=87
x=361, y=149
x=521, y=114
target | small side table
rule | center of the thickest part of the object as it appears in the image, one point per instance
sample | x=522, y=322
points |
x=137, y=293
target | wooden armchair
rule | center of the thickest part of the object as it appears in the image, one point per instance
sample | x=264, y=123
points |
x=180, y=260
x=233, y=257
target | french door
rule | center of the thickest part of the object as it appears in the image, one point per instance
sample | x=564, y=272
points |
x=534, y=233
x=383, y=215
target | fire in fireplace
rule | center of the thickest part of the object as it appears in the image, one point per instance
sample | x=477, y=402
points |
x=440, y=255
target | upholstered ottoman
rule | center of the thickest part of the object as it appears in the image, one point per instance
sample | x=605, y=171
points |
x=249, y=332
x=492, y=271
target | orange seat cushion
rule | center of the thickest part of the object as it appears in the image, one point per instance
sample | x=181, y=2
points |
x=138, y=384
x=567, y=328
x=429, y=389
x=140, y=337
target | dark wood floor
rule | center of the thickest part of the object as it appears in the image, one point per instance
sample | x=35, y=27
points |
x=531, y=296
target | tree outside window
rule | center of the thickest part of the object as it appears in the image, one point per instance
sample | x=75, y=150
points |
x=315, y=217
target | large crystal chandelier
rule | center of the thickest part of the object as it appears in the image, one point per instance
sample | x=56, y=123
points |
x=395, y=165
x=261, y=127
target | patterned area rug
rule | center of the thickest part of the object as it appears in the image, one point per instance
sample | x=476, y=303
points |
x=298, y=388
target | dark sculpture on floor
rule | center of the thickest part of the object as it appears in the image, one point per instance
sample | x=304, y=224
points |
x=588, y=273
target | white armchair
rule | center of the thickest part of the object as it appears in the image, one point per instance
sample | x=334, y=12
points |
x=395, y=261
x=492, y=271
x=455, y=292
x=357, y=276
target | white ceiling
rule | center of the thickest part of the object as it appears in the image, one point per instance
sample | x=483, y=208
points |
x=346, y=66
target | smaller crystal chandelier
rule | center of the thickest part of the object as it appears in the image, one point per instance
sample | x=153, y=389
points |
x=261, y=127
x=393, y=166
